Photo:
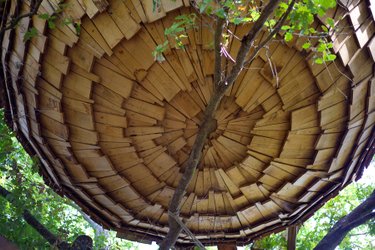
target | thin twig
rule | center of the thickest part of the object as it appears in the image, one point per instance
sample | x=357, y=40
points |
x=220, y=22
x=188, y=232
x=273, y=68
x=360, y=215
x=13, y=23
x=32, y=221
x=248, y=40
x=276, y=29
x=209, y=124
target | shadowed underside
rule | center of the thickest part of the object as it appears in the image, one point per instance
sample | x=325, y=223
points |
x=113, y=128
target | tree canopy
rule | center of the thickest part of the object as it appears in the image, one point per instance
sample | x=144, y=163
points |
x=313, y=230
x=289, y=19
x=19, y=174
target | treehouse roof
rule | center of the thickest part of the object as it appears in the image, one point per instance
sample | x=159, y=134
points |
x=112, y=127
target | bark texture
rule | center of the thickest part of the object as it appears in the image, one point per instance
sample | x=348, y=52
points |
x=208, y=123
x=82, y=242
x=361, y=214
x=35, y=4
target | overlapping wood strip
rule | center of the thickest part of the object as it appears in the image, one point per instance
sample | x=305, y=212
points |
x=117, y=127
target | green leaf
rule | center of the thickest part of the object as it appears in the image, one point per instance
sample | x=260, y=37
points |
x=44, y=16
x=270, y=23
x=285, y=27
x=324, y=28
x=288, y=37
x=209, y=10
x=221, y=13
x=32, y=32
x=330, y=22
x=156, y=5
x=203, y=6
x=159, y=50
x=255, y=15
x=51, y=24
x=283, y=5
x=306, y=45
x=312, y=30
x=331, y=57
x=77, y=27
x=237, y=20
x=179, y=29
x=326, y=4
x=321, y=47
x=67, y=21
x=321, y=12
x=318, y=60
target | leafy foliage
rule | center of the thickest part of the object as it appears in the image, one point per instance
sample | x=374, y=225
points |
x=177, y=31
x=240, y=12
x=57, y=19
x=314, y=229
x=19, y=175
x=32, y=32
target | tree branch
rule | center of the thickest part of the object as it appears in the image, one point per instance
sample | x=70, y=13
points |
x=43, y=231
x=361, y=214
x=13, y=23
x=98, y=229
x=82, y=241
x=276, y=29
x=209, y=124
x=246, y=43
x=217, y=49
x=32, y=221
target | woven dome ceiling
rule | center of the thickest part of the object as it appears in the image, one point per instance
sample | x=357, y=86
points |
x=113, y=128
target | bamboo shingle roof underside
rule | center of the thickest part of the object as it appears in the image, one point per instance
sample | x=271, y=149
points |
x=113, y=128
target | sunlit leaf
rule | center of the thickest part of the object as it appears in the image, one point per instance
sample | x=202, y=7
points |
x=330, y=22
x=306, y=45
x=288, y=37
x=318, y=60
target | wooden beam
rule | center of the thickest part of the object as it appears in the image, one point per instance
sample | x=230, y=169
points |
x=291, y=237
x=227, y=246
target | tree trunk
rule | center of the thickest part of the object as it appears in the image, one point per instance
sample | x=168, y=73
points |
x=43, y=231
x=361, y=214
x=7, y=245
x=82, y=242
x=209, y=124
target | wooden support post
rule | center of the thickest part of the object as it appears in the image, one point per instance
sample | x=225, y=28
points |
x=291, y=237
x=227, y=246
